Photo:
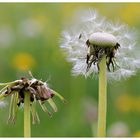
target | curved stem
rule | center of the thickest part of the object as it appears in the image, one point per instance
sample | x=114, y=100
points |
x=102, y=104
x=27, y=127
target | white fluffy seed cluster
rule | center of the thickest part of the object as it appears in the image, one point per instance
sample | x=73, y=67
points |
x=89, y=24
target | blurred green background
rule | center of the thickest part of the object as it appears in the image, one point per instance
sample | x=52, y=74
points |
x=29, y=40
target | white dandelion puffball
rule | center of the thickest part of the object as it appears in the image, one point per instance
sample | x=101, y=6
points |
x=118, y=129
x=30, y=28
x=91, y=37
x=2, y=104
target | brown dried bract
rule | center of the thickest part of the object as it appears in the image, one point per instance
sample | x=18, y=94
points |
x=37, y=89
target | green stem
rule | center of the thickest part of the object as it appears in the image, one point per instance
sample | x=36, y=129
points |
x=27, y=127
x=102, y=104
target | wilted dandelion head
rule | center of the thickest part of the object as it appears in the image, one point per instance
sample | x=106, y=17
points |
x=39, y=92
x=91, y=37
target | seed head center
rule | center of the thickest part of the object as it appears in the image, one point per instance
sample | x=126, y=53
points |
x=100, y=44
x=103, y=39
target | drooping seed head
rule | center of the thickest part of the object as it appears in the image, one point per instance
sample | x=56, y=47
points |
x=38, y=90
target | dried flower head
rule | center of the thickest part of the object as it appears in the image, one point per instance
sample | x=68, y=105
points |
x=92, y=37
x=38, y=90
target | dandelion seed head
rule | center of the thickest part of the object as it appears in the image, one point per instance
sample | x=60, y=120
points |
x=3, y=104
x=7, y=36
x=118, y=129
x=105, y=37
x=30, y=28
x=90, y=110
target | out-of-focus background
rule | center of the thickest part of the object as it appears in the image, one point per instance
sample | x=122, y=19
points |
x=29, y=40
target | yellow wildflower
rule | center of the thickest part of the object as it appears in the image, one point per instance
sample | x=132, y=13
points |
x=23, y=61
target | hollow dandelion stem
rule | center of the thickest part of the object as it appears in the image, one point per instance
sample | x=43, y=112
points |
x=27, y=127
x=102, y=104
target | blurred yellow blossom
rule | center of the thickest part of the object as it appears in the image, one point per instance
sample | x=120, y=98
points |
x=23, y=61
x=130, y=14
x=124, y=103
x=128, y=103
x=136, y=104
x=41, y=18
x=136, y=134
